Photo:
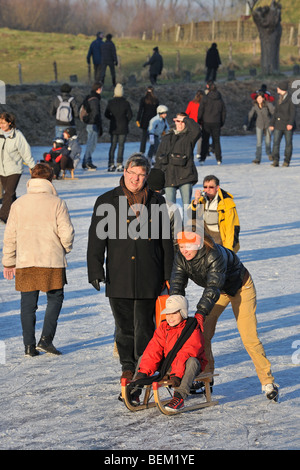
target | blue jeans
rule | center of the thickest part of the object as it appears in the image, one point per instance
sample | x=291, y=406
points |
x=116, y=139
x=259, y=140
x=185, y=191
x=278, y=134
x=29, y=307
x=92, y=139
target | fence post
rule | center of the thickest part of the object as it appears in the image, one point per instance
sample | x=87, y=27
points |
x=213, y=24
x=20, y=74
x=55, y=71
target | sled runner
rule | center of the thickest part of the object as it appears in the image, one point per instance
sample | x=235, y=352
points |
x=64, y=177
x=154, y=390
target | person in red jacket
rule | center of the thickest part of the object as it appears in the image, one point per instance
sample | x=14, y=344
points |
x=189, y=360
x=192, y=112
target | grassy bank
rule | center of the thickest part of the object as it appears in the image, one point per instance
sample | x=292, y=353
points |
x=36, y=52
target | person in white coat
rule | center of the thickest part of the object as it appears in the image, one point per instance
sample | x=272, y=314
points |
x=37, y=236
x=14, y=150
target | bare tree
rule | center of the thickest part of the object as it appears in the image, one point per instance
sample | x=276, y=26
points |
x=268, y=23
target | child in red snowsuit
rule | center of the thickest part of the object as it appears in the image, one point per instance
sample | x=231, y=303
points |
x=189, y=360
x=58, y=157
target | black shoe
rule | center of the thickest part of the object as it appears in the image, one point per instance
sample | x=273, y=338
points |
x=111, y=168
x=91, y=167
x=84, y=167
x=30, y=350
x=271, y=391
x=198, y=388
x=45, y=345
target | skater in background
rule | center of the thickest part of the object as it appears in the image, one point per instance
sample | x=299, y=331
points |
x=189, y=360
x=15, y=153
x=225, y=280
x=212, y=62
x=119, y=113
x=192, y=112
x=219, y=213
x=175, y=157
x=158, y=126
x=156, y=65
x=283, y=124
x=73, y=146
x=94, y=52
x=37, y=237
x=65, y=109
x=263, y=111
x=134, y=268
x=147, y=110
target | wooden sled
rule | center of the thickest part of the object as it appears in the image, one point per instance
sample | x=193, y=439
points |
x=64, y=177
x=160, y=403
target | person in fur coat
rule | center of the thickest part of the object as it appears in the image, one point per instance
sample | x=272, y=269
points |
x=37, y=236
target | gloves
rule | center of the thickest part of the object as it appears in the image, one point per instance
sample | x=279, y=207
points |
x=175, y=381
x=47, y=157
x=96, y=284
x=140, y=375
x=138, y=124
x=58, y=159
x=200, y=319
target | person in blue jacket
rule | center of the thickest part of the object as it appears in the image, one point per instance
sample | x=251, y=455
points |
x=95, y=53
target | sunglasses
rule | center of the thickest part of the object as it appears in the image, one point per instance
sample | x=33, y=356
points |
x=210, y=187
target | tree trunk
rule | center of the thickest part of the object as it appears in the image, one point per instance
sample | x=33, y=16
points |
x=268, y=22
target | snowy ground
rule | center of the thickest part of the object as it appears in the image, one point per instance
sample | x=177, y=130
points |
x=70, y=402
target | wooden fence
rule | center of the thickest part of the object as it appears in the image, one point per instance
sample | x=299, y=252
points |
x=242, y=30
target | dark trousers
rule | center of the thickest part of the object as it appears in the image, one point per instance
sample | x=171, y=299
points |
x=134, y=320
x=278, y=134
x=213, y=130
x=112, y=72
x=29, y=306
x=144, y=140
x=211, y=74
x=116, y=139
x=9, y=184
x=97, y=72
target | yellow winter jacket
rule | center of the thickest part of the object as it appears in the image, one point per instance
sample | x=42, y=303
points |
x=229, y=225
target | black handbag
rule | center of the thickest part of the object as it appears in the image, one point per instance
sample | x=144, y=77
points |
x=177, y=159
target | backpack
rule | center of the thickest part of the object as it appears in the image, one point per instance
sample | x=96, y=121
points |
x=85, y=109
x=64, y=111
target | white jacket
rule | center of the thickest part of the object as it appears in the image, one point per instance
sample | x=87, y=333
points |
x=13, y=151
x=39, y=231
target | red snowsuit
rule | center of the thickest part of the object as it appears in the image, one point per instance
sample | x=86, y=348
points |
x=163, y=341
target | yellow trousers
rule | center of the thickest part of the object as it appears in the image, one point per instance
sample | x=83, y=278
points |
x=244, y=309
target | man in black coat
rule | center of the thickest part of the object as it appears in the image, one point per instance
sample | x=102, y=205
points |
x=156, y=65
x=212, y=115
x=94, y=52
x=119, y=113
x=212, y=62
x=130, y=225
x=93, y=123
x=108, y=59
x=283, y=123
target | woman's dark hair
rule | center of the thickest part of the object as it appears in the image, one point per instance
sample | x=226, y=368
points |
x=150, y=97
x=198, y=96
x=10, y=118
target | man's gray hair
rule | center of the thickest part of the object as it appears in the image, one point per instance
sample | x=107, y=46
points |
x=138, y=159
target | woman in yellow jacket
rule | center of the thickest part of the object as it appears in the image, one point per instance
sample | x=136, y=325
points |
x=220, y=214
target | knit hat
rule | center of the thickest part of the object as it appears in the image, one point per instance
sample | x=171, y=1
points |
x=71, y=131
x=175, y=303
x=118, y=92
x=284, y=86
x=156, y=179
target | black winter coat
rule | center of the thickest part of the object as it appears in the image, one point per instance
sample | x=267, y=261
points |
x=212, y=109
x=218, y=270
x=182, y=144
x=156, y=64
x=119, y=112
x=212, y=60
x=146, y=112
x=135, y=268
x=284, y=114
x=108, y=53
x=94, y=116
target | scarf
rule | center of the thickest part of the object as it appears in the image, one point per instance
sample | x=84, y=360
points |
x=139, y=198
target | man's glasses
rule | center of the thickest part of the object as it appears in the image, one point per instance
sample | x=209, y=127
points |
x=132, y=173
x=209, y=187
